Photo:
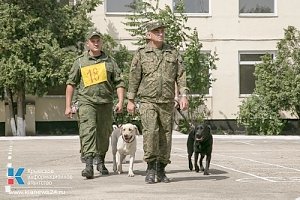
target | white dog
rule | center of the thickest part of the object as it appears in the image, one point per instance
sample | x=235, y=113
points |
x=123, y=142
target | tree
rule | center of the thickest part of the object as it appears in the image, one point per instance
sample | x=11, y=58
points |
x=38, y=41
x=277, y=88
x=198, y=64
x=199, y=78
x=144, y=12
x=259, y=118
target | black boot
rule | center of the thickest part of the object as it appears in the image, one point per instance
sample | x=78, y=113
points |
x=101, y=167
x=161, y=173
x=88, y=172
x=150, y=173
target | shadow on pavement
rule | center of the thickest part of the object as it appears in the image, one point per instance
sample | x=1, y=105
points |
x=201, y=177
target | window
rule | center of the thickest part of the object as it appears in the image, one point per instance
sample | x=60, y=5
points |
x=117, y=6
x=257, y=7
x=194, y=6
x=247, y=62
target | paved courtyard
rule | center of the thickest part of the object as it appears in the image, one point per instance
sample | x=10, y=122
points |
x=242, y=167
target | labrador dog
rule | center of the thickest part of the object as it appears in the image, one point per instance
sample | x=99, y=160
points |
x=200, y=141
x=123, y=142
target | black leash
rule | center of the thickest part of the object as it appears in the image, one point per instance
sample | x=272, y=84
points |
x=180, y=111
x=182, y=115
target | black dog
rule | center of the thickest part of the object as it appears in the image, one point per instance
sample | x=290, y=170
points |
x=200, y=141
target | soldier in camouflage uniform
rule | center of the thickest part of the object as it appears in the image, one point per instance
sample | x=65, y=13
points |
x=154, y=71
x=96, y=76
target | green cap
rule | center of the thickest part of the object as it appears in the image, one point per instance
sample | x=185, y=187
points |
x=154, y=25
x=92, y=33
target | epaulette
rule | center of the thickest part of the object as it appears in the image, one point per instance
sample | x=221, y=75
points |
x=111, y=59
x=79, y=56
x=140, y=48
x=77, y=60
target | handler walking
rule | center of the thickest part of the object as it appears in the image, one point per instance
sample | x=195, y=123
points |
x=96, y=76
x=154, y=71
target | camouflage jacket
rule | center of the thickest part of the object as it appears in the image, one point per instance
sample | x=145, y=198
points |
x=153, y=74
x=99, y=93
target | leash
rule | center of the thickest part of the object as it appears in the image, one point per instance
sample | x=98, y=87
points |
x=182, y=115
x=117, y=118
x=180, y=111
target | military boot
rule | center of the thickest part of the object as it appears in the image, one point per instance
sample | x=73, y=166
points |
x=161, y=173
x=101, y=167
x=88, y=172
x=150, y=173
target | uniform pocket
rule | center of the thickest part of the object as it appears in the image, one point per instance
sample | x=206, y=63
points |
x=170, y=66
x=170, y=59
x=148, y=65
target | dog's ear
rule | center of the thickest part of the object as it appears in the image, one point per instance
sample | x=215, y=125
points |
x=192, y=131
x=114, y=127
x=206, y=123
x=209, y=127
x=192, y=125
x=137, y=132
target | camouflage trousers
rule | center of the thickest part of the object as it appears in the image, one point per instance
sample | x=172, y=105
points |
x=95, y=127
x=157, y=131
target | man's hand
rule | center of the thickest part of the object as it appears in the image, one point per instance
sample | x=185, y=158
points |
x=69, y=94
x=119, y=107
x=183, y=103
x=131, y=106
x=68, y=112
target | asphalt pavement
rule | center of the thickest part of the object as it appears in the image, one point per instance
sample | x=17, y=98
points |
x=242, y=167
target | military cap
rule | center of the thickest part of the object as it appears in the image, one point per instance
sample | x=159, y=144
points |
x=92, y=33
x=154, y=25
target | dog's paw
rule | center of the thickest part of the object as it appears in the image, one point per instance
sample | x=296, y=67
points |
x=130, y=174
x=120, y=170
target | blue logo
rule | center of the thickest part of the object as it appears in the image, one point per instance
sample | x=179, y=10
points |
x=12, y=175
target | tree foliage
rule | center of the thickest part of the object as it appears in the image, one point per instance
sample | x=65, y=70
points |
x=259, y=118
x=199, y=78
x=277, y=88
x=144, y=12
x=36, y=37
x=38, y=43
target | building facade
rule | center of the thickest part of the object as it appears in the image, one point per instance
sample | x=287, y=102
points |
x=239, y=31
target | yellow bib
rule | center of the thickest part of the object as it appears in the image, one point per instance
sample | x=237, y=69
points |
x=93, y=74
